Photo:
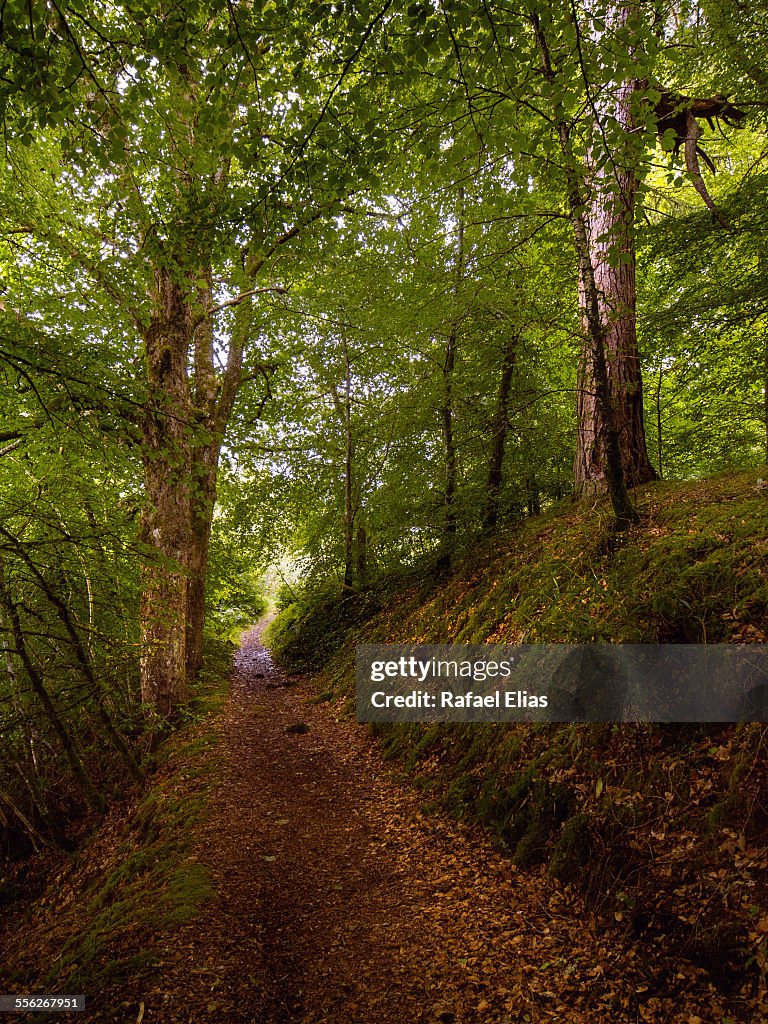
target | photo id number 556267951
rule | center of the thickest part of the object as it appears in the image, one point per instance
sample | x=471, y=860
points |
x=41, y=1003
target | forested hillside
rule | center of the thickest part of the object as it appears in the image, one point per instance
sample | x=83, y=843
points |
x=661, y=827
x=413, y=321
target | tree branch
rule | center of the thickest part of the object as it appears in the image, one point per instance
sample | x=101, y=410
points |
x=279, y=289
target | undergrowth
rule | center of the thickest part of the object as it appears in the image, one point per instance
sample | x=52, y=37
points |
x=137, y=876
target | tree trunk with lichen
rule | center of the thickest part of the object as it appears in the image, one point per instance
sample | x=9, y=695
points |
x=611, y=241
x=594, y=376
x=185, y=418
x=166, y=519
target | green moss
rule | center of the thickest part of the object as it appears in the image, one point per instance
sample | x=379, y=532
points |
x=573, y=848
x=460, y=795
x=529, y=850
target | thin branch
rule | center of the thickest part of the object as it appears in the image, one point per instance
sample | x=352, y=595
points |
x=10, y=447
x=279, y=289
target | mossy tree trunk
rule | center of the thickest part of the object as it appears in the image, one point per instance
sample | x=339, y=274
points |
x=166, y=519
x=184, y=425
x=610, y=281
x=595, y=324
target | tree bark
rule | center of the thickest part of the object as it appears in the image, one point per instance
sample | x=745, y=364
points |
x=184, y=426
x=361, y=554
x=343, y=408
x=166, y=520
x=447, y=540
x=450, y=465
x=349, y=441
x=611, y=247
x=499, y=436
x=205, y=475
x=659, y=437
x=533, y=495
x=207, y=438
x=607, y=440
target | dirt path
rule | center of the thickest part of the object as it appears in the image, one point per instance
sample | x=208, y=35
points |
x=339, y=901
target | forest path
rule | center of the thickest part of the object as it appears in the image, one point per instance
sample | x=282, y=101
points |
x=340, y=901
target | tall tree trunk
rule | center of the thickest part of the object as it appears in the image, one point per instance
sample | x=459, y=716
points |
x=450, y=465
x=659, y=436
x=343, y=407
x=594, y=325
x=612, y=467
x=533, y=495
x=361, y=554
x=206, y=447
x=610, y=235
x=184, y=429
x=205, y=476
x=611, y=245
x=166, y=520
x=447, y=412
x=349, y=511
x=499, y=436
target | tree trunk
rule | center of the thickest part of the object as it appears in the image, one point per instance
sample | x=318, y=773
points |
x=659, y=437
x=533, y=495
x=183, y=434
x=213, y=402
x=446, y=413
x=499, y=437
x=166, y=521
x=610, y=238
x=343, y=408
x=361, y=554
x=349, y=512
x=205, y=475
x=611, y=246
x=450, y=466
x=607, y=440
x=607, y=436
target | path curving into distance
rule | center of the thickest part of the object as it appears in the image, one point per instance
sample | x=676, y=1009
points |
x=340, y=902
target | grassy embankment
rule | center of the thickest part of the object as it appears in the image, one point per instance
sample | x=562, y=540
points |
x=91, y=928
x=664, y=828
